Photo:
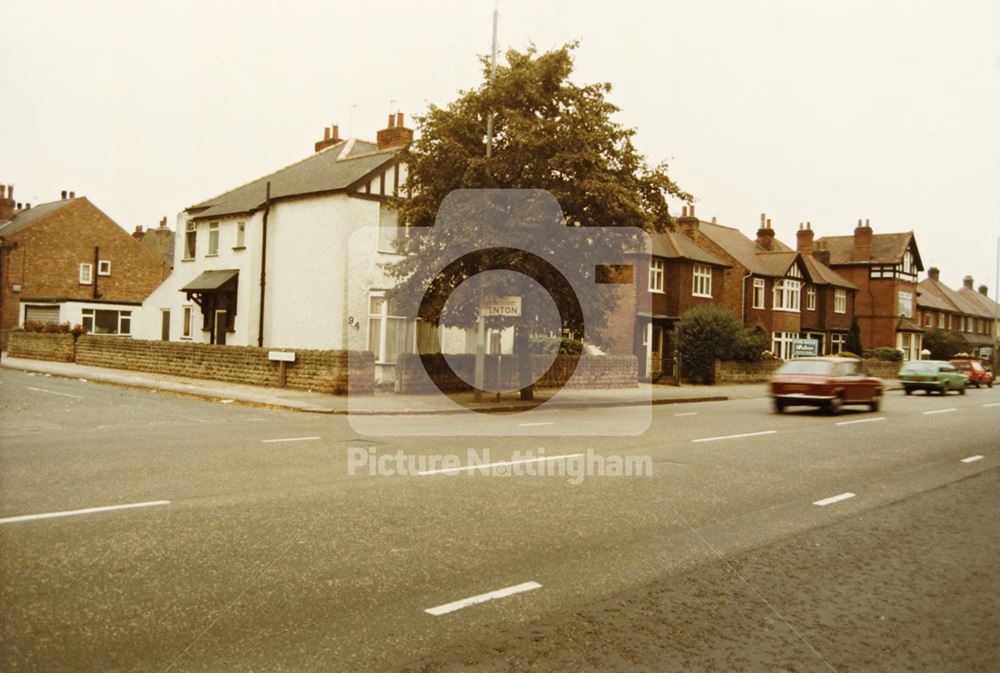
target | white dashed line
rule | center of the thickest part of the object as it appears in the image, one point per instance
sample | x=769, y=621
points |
x=992, y=404
x=89, y=510
x=837, y=498
x=688, y=413
x=52, y=392
x=746, y=434
x=531, y=425
x=487, y=466
x=863, y=420
x=971, y=459
x=940, y=411
x=482, y=598
x=289, y=439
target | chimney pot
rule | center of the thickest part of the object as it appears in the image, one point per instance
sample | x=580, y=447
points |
x=19, y=206
x=326, y=134
x=967, y=282
x=763, y=220
x=983, y=290
x=867, y=224
x=10, y=191
x=72, y=195
x=684, y=211
x=163, y=222
x=692, y=210
x=3, y=191
x=394, y=135
x=335, y=132
x=63, y=195
x=399, y=119
x=769, y=223
x=713, y=220
x=392, y=121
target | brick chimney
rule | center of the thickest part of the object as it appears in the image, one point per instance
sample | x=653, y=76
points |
x=967, y=282
x=804, y=239
x=983, y=290
x=687, y=223
x=62, y=195
x=395, y=134
x=163, y=223
x=137, y=234
x=765, y=235
x=862, y=242
x=331, y=136
x=934, y=273
x=7, y=205
x=821, y=253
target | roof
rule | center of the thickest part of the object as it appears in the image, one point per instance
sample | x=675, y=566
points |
x=961, y=303
x=821, y=274
x=886, y=248
x=990, y=307
x=27, y=216
x=677, y=246
x=927, y=299
x=741, y=248
x=907, y=325
x=332, y=169
x=777, y=263
x=211, y=280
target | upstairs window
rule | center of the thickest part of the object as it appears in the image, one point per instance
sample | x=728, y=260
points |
x=909, y=264
x=787, y=295
x=905, y=304
x=213, y=238
x=840, y=300
x=104, y=268
x=811, y=298
x=86, y=274
x=241, y=235
x=190, y=240
x=656, y=275
x=702, y=283
x=940, y=320
x=758, y=293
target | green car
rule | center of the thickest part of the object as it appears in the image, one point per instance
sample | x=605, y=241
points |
x=931, y=375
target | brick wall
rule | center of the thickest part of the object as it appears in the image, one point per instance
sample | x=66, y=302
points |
x=760, y=372
x=322, y=371
x=609, y=371
x=41, y=346
x=882, y=368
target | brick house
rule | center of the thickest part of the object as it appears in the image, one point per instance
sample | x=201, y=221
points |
x=991, y=310
x=961, y=312
x=787, y=294
x=884, y=268
x=67, y=261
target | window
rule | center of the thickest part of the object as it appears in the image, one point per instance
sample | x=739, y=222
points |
x=190, y=240
x=213, y=239
x=656, y=275
x=99, y=321
x=905, y=304
x=781, y=344
x=241, y=235
x=910, y=345
x=86, y=274
x=702, y=286
x=388, y=334
x=787, y=295
x=840, y=300
x=186, y=321
x=758, y=293
x=389, y=232
x=104, y=268
x=940, y=320
x=837, y=342
x=811, y=298
x=909, y=265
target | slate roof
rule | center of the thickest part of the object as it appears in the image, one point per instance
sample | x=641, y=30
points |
x=927, y=299
x=961, y=304
x=671, y=245
x=25, y=217
x=744, y=250
x=324, y=171
x=821, y=274
x=990, y=307
x=886, y=248
x=211, y=280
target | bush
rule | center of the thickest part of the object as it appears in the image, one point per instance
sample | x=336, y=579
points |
x=942, y=344
x=751, y=346
x=543, y=345
x=852, y=342
x=888, y=354
x=706, y=334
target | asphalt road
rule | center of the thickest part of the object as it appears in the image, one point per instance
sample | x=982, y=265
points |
x=252, y=548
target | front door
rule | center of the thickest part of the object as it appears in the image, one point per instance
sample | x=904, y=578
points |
x=220, y=328
x=654, y=364
x=165, y=325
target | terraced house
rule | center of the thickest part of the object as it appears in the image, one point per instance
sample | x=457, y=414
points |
x=969, y=314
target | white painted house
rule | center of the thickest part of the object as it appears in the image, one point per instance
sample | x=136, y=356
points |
x=275, y=269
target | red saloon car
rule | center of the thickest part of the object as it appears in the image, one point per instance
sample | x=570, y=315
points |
x=975, y=373
x=825, y=382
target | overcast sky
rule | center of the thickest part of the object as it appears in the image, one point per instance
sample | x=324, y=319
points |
x=820, y=111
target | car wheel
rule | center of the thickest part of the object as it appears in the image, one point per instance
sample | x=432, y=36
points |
x=779, y=406
x=961, y=390
x=907, y=391
x=990, y=384
x=832, y=407
x=977, y=385
x=876, y=403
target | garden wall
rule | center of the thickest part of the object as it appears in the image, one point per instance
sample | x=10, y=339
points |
x=41, y=346
x=760, y=372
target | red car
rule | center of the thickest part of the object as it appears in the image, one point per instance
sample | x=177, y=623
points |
x=975, y=373
x=825, y=382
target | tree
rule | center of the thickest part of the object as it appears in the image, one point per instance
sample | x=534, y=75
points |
x=942, y=344
x=548, y=133
x=853, y=342
x=706, y=334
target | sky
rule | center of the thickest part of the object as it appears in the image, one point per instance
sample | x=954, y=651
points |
x=817, y=111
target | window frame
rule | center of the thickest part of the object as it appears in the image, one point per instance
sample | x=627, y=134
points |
x=899, y=304
x=786, y=295
x=103, y=267
x=241, y=235
x=213, y=240
x=810, y=297
x=701, y=281
x=190, y=241
x=187, y=322
x=840, y=300
x=86, y=273
x=759, y=290
x=657, y=272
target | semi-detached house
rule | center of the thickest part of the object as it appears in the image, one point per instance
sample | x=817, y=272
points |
x=279, y=262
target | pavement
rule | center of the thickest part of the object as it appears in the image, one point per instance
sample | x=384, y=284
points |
x=384, y=403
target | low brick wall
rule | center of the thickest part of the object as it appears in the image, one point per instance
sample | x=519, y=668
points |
x=321, y=371
x=730, y=371
x=605, y=371
x=41, y=346
x=882, y=368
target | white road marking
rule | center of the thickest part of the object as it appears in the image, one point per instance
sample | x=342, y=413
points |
x=992, y=404
x=863, y=420
x=746, y=434
x=289, y=439
x=89, y=510
x=482, y=598
x=52, y=392
x=940, y=411
x=688, y=413
x=971, y=459
x=529, y=425
x=486, y=466
x=837, y=498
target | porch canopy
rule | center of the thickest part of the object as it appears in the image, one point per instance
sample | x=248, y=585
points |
x=214, y=291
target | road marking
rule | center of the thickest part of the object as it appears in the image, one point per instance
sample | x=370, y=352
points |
x=746, y=434
x=992, y=404
x=52, y=392
x=482, y=598
x=289, y=439
x=89, y=510
x=837, y=498
x=688, y=413
x=940, y=411
x=971, y=459
x=863, y=420
x=528, y=425
x=486, y=466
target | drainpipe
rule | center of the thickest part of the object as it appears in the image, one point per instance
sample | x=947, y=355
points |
x=97, y=264
x=263, y=264
x=743, y=298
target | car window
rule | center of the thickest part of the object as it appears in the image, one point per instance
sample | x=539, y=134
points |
x=961, y=366
x=805, y=367
x=948, y=368
x=977, y=367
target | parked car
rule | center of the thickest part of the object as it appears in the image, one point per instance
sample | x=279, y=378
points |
x=824, y=382
x=931, y=376
x=975, y=373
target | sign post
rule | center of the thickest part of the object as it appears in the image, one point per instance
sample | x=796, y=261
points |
x=507, y=307
x=803, y=348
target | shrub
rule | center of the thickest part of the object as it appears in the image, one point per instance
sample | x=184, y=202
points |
x=852, y=342
x=942, y=344
x=706, y=334
x=41, y=327
x=541, y=345
x=888, y=354
x=751, y=346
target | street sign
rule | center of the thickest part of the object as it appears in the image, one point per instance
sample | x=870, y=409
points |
x=508, y=307
x=802, y=348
